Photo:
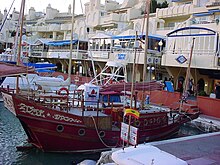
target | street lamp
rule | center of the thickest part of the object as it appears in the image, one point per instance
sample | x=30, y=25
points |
x=150, y=69
x=160, y=45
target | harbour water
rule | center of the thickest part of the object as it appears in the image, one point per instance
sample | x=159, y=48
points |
x=12, y=135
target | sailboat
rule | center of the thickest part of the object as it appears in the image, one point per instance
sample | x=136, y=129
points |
x=59, y=123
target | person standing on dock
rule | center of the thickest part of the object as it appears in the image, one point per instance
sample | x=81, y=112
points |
x=217, y=90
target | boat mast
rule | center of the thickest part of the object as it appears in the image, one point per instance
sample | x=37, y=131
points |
x=71, y=45
x=21, y=30
x=145, y=47
x=20, y=40
x=133, y=70
x=187, y=76
x=146, y=40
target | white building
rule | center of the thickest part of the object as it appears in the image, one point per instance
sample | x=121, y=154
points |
x=114, y=19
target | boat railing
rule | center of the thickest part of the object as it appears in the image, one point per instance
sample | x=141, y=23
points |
x=67, y=103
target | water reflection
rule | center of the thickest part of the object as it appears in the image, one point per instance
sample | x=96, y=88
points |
x=12, y=135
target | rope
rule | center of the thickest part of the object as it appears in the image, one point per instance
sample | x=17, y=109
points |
x=6, y=16
x=91, y=56
x=178, y=78
x=192, y=123
x=97, y=131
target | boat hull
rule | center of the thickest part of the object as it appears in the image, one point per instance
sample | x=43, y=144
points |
x=57, y=131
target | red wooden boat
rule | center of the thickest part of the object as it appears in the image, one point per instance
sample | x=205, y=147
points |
x=57, y=123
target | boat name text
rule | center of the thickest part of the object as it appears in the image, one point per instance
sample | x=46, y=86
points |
x=31, y=110
x=65, y=118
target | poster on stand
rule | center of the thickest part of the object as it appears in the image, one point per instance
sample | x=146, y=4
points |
x=91, y=95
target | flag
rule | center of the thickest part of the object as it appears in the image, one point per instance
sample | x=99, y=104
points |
x=132, y=112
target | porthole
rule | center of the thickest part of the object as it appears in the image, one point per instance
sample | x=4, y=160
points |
x=60, y=128
x=81, y=132
x=158, y=120
x=102, y=134
x=145, y=122
x=137, y=123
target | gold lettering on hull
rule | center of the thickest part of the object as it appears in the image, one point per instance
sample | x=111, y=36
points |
x=41, y=113
x=65, y=118
x=31, y=110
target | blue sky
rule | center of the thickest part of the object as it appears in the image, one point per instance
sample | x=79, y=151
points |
x=40, y=5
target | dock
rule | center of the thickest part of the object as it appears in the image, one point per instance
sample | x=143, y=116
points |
x=203, y=149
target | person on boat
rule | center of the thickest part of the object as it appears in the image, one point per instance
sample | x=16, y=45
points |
x=171, y=79
x=180, y=86
x=165, y=87
x=217, y=90
x=190, y=89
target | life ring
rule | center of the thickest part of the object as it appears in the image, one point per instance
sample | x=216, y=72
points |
x=76, y=79
x=63, y=89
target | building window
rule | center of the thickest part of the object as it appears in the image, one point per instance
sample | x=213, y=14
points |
x=171, y=24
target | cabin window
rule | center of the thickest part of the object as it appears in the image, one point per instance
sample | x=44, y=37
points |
x=113, y=98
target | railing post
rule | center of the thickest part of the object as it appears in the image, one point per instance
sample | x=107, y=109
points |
x=97, y=120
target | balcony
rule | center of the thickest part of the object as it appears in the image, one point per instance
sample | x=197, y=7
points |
x=64, y=54
x=54, y=27
x=200, y=59
x=180, y=10
x=111, y=18
x=47, y=28
x=66, y=27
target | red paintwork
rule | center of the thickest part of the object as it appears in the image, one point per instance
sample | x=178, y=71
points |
x=164, y=98
x=11, y=69
x=206, y=105
x=209, y=106
x=40, y=124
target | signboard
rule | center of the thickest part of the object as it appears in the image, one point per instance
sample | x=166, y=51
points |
x=121, y=56
x=91, y=95
x=133, y=133
x=181, y=59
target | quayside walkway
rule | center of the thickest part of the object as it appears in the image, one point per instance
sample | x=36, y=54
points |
x=203, y=149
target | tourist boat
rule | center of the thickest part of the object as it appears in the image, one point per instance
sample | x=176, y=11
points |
x=57, y=123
